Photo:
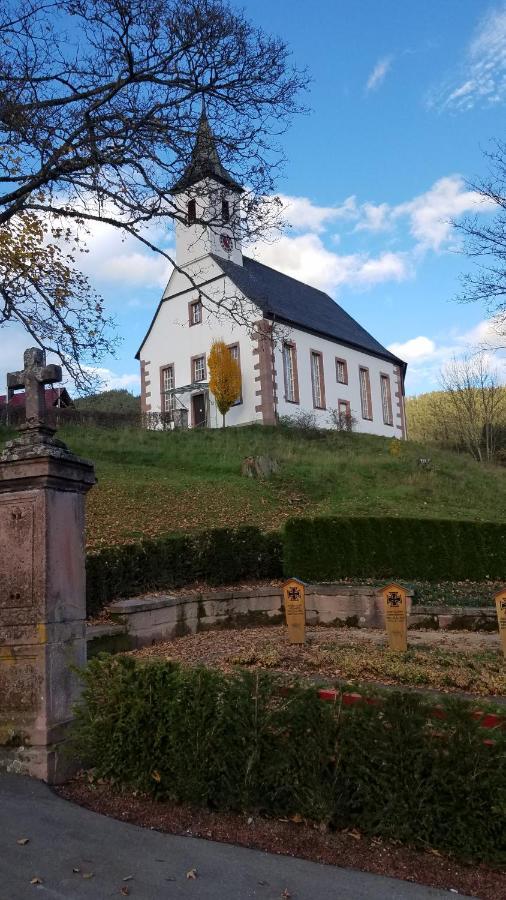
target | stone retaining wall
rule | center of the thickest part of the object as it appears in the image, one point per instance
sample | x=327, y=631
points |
x=141, y=621
x=153, y=618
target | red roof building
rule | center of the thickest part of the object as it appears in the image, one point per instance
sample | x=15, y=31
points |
x=56, y=398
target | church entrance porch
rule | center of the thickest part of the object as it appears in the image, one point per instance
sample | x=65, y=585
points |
x=187, y=405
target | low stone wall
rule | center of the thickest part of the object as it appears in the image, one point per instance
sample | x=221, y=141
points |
x=141, y=621
x=153, y=618
x=464, y=618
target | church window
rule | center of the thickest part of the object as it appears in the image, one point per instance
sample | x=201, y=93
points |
x=290, y=372
x=386, y=400
x=192, y=212
x=235, y=354
x=198, y=368
x=225, y=212
x=168, y=384
x=341, y=371
x=195, y=310
x=344, y=410
x=365, y=393
x=317, y=380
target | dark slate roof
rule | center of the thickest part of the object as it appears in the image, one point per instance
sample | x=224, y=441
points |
x=293, y=302
x=205, y=161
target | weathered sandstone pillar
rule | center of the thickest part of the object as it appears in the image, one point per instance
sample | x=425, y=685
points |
x=42, y=585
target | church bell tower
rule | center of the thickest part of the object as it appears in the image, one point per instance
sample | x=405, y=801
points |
x=208, y=199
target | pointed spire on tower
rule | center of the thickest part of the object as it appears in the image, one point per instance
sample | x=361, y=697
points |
x=205, y=160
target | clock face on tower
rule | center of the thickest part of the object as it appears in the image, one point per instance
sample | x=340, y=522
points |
x=226, y=242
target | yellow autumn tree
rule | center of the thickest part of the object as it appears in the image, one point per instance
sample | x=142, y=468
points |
x=225, y=377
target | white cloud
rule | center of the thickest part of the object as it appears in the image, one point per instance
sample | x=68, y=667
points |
x=379, y=73
x=110, y=380
x=488, y=334
x=481, y=78
x=306, y=258
x=149, y=271
x=426, y=356
x=374, y=217
x=302, y=214
x=430, y=214
x=385, y=267
x=415, y=349
x=118, y=258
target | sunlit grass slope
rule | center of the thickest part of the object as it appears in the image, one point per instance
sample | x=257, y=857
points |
x=158, y=482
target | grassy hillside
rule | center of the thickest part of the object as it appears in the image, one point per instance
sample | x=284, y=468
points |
x=153, y=483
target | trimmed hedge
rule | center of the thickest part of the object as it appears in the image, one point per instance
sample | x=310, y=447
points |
x=330, y=549
x=243, y=742
x=217, y=556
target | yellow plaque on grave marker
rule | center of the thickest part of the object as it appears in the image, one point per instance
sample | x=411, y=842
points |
x=295, y=610
x=396, y=618
x=500, y=604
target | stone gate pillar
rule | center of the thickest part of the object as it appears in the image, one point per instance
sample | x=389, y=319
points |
x=42, y=585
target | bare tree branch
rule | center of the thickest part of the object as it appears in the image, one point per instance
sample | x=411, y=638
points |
x=99, y=105
x=485, y=243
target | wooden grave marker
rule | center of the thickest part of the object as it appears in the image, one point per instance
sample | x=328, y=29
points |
x=396, y=617
x=294, y=596
x=500, y=605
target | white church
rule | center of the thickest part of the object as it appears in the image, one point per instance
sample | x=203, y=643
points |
x=304, y=353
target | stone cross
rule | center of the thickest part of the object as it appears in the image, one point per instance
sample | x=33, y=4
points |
x=34, y=376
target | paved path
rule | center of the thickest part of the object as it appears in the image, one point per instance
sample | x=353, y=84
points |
x=63, y=837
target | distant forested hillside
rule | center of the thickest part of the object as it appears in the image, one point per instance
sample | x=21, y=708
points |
x=119, y=401
x=454, y=421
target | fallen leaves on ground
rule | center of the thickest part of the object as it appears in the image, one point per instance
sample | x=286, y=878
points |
x=346, y=655
x=120, y=512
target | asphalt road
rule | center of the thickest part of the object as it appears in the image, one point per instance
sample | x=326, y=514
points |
x=75, y=853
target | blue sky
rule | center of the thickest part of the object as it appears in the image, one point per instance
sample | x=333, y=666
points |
x=405, y=96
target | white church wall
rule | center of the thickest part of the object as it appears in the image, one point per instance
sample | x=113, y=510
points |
x=173, y=341
x=334, y=390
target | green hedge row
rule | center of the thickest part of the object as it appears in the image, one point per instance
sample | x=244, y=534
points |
x=218, y=556
x=329, y=549
x=239, y=742
x=322, y=549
